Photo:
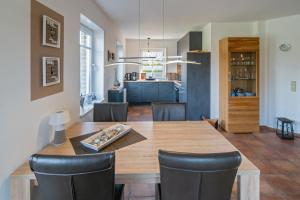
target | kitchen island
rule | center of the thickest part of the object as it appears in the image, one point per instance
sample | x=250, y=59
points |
x=148, y=91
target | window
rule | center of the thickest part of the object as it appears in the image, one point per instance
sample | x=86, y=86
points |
x=154, y=68
x=91, y=65
x=86, y=53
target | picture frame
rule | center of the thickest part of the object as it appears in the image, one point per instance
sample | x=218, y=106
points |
x=51, y=71
x=113, y=56
x=51, y=32
x=108, y=55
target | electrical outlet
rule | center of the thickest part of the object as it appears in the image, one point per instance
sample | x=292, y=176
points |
x=293, y=86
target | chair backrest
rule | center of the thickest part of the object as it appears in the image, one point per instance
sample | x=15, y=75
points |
x=197, y=176
x=84, y=177
x=168, y=111
x=110, y=112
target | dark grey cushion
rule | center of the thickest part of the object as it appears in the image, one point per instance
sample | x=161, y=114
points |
x=110, y=112
x=85, y=177
x=168, y=111
x=197, y=176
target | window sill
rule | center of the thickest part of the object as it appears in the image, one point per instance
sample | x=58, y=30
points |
x=88, y=108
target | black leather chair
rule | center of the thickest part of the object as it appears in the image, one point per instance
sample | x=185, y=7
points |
x=110, y=112
x=168, y=111
x=83, y=177
x=197, y=176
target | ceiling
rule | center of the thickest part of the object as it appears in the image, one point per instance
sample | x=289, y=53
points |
x=182, y=16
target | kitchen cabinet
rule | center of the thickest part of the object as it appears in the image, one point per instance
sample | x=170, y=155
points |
x=150, y=91
x=166, y=92
x=116, y=95
x=195, y=79
x=198, y=86
x=192, y=41
x=133, y=92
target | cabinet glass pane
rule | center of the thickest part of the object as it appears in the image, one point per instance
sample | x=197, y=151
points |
x=243, y=74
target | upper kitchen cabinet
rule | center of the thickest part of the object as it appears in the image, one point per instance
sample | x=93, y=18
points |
x=239, y=84
x=195, y=79
x=192, y=41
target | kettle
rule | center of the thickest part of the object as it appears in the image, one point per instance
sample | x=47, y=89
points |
x=128, y=76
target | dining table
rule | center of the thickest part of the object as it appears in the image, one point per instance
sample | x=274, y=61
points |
x=137, y=162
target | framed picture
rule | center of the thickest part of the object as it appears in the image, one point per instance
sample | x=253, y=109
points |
x=51, y=71
x=108, y=55
x=51, y=32
x=112, y=56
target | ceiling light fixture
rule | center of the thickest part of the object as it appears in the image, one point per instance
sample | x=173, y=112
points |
x=122, y=63
x=167, y=59
x=182, y=62
x=179, y=59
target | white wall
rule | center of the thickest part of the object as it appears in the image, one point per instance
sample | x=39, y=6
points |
x=283, y=67
x=132, y=49
x=277, y=69
x=218, y=32
x=23, y=124
x=206, y=37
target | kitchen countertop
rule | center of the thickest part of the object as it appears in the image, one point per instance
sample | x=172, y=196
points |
x=156, y=81
x=151, y=81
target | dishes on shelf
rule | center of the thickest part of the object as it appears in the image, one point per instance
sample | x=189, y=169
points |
x=249, y=94
x=243, y=59
x=243, y=74
x=239, y=92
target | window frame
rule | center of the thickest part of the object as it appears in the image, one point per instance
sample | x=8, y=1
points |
x=164, y=50
x=90, y=32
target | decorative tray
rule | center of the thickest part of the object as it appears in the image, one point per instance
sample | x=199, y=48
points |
x=105, y=137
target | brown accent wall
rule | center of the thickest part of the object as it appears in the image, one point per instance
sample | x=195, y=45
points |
x=38, y=51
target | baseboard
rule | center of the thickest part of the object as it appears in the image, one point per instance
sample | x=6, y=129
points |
x=269, y=129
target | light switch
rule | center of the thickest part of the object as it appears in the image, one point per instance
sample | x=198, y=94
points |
x=293, y=86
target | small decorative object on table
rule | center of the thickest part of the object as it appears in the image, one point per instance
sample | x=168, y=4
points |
x=106, y=137
x=287, y=129
x=58, y=121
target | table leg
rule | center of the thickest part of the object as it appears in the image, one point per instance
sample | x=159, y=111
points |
x=20, y=188
x=248, y=187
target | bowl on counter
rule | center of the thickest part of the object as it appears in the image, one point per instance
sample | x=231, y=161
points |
x=150, y=79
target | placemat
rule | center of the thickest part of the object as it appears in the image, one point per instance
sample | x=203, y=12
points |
x=130, y=138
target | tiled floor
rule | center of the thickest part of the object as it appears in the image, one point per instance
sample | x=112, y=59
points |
x=278, y=160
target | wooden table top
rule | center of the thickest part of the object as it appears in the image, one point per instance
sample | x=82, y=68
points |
x=140, y=160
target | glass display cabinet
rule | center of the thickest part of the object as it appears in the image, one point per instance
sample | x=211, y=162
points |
x=243, y=73
x=239, y=84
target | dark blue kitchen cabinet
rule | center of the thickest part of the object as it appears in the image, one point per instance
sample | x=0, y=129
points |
x=149, y=92
x=133, y=92
x=195, y=79
x=166, y=92
x=198, y=86
x=116, y=95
